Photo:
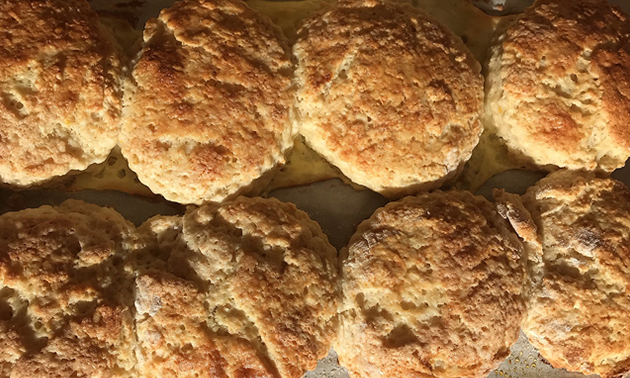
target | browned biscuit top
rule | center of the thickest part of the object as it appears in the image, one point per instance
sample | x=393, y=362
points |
x=174, y=340
x=59, y=87
x=257, y=280
x=432, y=287
x=579, y=316
x=64, y=307
x=559, y=85
x=208, y=108
x=387, y=94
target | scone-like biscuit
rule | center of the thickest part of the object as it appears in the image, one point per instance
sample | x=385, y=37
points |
x=387, y=94
x=60, y=92
x=432, y=287
x=209, y=107
x=245, y=289
x=559, y=85
x=579, y=312
x=64, y=310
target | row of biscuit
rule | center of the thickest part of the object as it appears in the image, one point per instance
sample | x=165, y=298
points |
x=213, y=102
x=433, y=285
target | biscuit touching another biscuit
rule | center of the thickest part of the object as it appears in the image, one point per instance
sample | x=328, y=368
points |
x=559, y=85
x=432, y=287
x=208, y=109
x=245, y=289
x=579, y=309
x=60, y=90
x=388, y=95
x=65, y=307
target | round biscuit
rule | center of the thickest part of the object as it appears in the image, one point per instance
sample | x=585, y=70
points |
x=247, y=288
x=559, y=86
x=387, y=94
x=60, y=89
x=579, y=309
x=64, y=303
x=432, y=287
x=208, y=109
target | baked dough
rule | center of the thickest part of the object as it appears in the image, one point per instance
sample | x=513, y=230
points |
x=387, y=94
x=579, y=309
x=432, y=287
x=559, y=86
x=60, y=89
x=248, y=288
x=208, y=109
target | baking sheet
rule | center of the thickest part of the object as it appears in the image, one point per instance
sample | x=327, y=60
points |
x=335, y=205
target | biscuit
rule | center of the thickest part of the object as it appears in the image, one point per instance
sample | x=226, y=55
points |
x=248, y=288
x=432, y=287
x=387, y=94
x=208, y=109
x=559, y=85
x=60, y=89
x=64, y=303
x=579, y=309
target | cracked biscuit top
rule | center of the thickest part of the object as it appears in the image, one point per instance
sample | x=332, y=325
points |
x=65, y=310
x=245, y=289
x=432, y=287
x=60, y=92
x=208, y=106
x=579, y=310
x=387, y=94
x=559, y=85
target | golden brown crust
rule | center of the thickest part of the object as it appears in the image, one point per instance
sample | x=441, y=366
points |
x=579, y=315
x=100, y=345
x=59, y=89
x=558, y=85
x=209, y=106
x=62, y=292
x=387, y=94
x=266, y=280
x=173, y=341
x=613, y=69
x=432, y=288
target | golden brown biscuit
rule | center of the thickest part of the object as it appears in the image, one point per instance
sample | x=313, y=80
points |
x=432, y=287
x=559, y=85
x=60, y=89
x=64, y=303
x=173, y=336
x=245, y=289
x=579, y=312
x=208, y=109
x=387, y=94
